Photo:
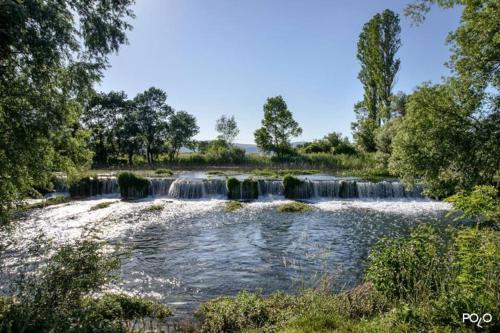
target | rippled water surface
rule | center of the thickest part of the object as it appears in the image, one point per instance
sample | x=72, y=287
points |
x=192, y=251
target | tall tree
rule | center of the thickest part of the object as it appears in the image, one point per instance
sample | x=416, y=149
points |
x=278, y=127
x=181, y=130
x=128, y=132
x=451, y=133
x=153, y=115
x=378, y=44
x=51, y=53
x=227, y=128
x=101, y=119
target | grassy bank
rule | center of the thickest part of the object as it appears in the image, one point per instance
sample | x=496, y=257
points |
x=348, y=165
x=419, y=284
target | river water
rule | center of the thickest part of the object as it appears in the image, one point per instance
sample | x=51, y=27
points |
x=192, y=250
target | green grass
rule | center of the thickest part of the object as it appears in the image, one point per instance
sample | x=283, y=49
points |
x=216, y=173
x=164, y=172
x=233, y=205
x=102, y=205
x=154, y=208
x=295, y=207
x=45, y=203
x=282, y=172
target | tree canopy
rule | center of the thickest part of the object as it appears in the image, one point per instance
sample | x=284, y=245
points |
x=227, y=128
x=51, y=53
x=278, y=126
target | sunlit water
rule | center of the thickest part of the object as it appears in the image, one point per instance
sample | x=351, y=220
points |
x=192, y=250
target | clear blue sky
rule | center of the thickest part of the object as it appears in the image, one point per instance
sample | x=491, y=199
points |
x=216, y=57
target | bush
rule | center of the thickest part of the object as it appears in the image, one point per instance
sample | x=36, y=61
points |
x=249, y=189
x=408, y=269
x=132, y=186
x=295, y=188
x=233, y=188
x=480, y=204
x=58, y=298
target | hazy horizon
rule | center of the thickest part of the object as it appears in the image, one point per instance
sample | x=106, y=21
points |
x=225, y=57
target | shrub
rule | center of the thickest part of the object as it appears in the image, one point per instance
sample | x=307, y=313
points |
x=408, y=269
x=295, y=188
x=480, y=204
x=293, y=207
x=233, y=188
x=58, y=298
x=249, y=189
x=164, y=172
x=132, y=186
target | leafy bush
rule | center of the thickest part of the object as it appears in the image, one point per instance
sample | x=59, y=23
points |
x=480, y=204
x=233, y=188
x=58, y=297
x=132, y=186
x=408, y=269
x=294, y=188
x=293, y=207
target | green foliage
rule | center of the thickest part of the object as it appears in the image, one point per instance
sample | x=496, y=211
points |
x=232, y=206
x=154, y=208
x=282, y=172
x=182, y=128
x=292, y=187
x=250, y=189
x=164, y=172
x=294, y=207
x=52, y=52
x=132, y=186
x=430, y=144
x=221, y=152
x=396, y=265
x=278, y=126
x=233, y=188
x=378, y=44
x=480, y=204
x=227, y=128
x=153, y=114
x=102, y=205
x=45, y=203
x=437, y=277
x=59, y=297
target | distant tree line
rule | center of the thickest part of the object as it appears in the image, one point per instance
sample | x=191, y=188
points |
x=143, y=125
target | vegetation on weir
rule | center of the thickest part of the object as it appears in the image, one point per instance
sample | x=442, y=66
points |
x=294, y=207
x=43, y=203
x=132, y=186
x=232, y=206
x=164, y=172
x=102, y=205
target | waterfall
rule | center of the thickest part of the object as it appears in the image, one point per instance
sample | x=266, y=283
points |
x=387, y=189
x=187, y=188
x=88, y=186
x=216, y=187
x=160, y=186
x=270, y=187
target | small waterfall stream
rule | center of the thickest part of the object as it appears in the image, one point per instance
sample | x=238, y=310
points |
x=197, y=188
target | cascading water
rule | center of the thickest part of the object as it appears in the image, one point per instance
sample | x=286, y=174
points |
x=196, y=188
x=270, y=187
x=160, y=186
x=186, y=188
